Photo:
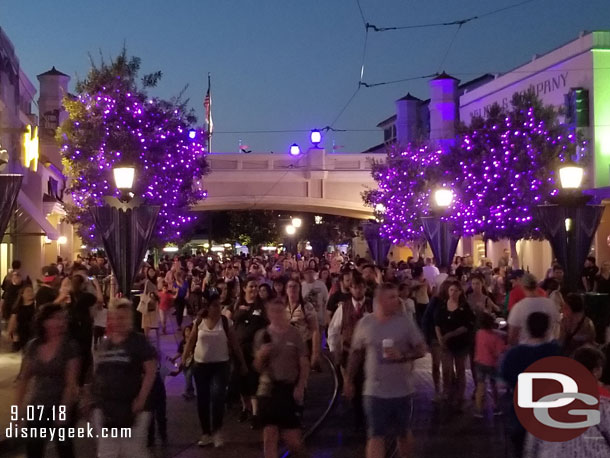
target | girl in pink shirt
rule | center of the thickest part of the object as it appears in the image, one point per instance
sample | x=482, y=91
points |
x=489, y=346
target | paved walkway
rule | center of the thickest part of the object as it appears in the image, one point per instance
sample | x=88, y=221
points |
x=438, y=433
x=183, y=423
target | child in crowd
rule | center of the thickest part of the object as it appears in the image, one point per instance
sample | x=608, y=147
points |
x=187, y=366
x=100, y=316
x=166, y=302
x=157, y=400
x=489, y=346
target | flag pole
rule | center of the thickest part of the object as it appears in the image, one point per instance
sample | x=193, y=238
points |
x=209, y=113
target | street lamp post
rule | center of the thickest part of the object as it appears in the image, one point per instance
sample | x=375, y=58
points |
x=291, y=230
x=126, y=227
x=569, y=223
x=439, y=235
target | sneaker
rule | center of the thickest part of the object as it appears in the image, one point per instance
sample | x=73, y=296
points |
x=256, y=423
x=217, y=439
x=243, y=416
x=498, y=412
x=477, y=414
x=205, y=439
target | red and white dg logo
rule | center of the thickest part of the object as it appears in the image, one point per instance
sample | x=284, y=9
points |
x=557, y=399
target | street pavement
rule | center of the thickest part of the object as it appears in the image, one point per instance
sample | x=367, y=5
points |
x=438, y=432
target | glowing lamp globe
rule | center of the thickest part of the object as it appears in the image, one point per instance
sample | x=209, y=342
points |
x=571, y=176
x=443, y=197
x=315, y=137
x=296, y=222
x=123, y=177
x=380, y=208
x=295, y=150
x=291, y=230
x=192, y=134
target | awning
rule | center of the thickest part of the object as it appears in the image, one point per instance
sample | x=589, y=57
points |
x=25, y=203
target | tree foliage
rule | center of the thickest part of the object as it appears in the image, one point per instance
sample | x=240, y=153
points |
x=112, y=120
x=499, y=168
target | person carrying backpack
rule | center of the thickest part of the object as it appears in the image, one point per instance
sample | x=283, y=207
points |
x=212, y=343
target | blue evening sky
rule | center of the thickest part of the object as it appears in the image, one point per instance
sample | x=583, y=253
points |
x=292, y=64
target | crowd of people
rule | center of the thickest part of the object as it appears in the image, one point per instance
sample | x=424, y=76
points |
x=253, y=328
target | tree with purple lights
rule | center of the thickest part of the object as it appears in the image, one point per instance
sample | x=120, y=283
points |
x=500, y=167
x=504, y=165
x=405, y=181
x=113, y=120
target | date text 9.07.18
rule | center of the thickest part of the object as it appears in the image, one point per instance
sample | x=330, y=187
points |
x=38, y=413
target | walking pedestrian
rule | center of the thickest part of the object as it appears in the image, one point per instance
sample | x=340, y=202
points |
x=181, y=287
x=519, y=358
x=454, y=324
x=211, y=343
x=51, y=367
x=22, y=318
x=124, y=375
x=248, y=319
x=302, y=315
x=281, y=358
x=340, y=334
x=385, y=342
x=149, y=304
x=186, y=365
x=489, y=346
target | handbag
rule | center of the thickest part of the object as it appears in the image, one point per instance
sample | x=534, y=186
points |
x=148, y=301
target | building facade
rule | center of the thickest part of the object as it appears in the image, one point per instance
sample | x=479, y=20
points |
x=36, y=234
x=574, y=77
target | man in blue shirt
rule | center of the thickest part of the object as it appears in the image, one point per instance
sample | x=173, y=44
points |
x=519, y=358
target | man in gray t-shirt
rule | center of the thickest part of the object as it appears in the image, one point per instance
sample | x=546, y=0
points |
x=386, y=342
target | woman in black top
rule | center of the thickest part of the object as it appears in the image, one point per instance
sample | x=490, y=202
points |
x=50, y=375
x=453, y=324
x=22, y=318
x=249, y=317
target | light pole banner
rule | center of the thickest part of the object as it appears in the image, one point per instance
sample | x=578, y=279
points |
x=9, y=190
x=570, y=231
x=443, y=242
x=378, y=246
x=125, y=234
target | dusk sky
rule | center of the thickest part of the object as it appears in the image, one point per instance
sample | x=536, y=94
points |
x=289, y=64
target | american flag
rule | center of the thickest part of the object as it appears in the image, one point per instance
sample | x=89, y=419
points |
x=207, y=104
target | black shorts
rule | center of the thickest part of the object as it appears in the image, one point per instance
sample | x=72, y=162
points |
x=280, y=409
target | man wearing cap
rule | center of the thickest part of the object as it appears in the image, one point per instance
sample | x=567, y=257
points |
x=517, y=292
x=49, y=288
x=532, y=302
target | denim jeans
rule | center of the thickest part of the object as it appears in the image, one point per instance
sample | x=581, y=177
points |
x=188, y=379
x=211, y=380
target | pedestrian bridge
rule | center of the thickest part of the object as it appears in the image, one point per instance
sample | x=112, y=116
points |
x=315, y=181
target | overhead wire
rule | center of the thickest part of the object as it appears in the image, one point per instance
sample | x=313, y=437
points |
x=330, y=127
x=440, y=67
x=458, y=22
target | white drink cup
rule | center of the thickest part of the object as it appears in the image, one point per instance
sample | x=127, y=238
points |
x=387, y=344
